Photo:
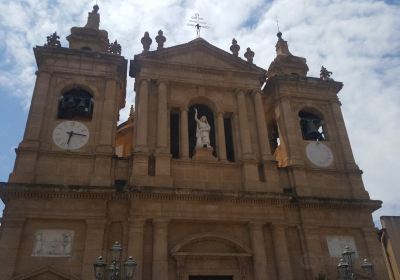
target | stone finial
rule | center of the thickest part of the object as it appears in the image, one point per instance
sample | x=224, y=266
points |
x=146, y=41
x=235, y=47
x=249, y=55
x=53, y=41
x=131, y=112
x=281, y=46
x=93, y=21
x=160, y=39
x=324, y=74
x=114, y=48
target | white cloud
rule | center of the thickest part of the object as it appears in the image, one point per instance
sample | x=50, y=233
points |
x=357, y=40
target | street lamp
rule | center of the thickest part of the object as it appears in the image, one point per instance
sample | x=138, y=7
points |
x=345, y=267
x=114, y=270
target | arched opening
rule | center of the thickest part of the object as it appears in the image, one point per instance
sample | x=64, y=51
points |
x=205, y=111
x=76, y=103
x=312, y=126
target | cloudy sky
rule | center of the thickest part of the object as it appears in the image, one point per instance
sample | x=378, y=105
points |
x=359, y=41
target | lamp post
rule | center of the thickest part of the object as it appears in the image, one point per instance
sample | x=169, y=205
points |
x=114, y=271
x=345, y=267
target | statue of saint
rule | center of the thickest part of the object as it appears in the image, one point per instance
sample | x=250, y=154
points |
x=202, y=131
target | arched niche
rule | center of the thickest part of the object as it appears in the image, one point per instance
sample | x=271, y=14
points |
x=203, y=110
x=75, y=103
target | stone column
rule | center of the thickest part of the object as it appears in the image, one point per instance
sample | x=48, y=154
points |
x=221, y=137
x=184, y=132
x=160, y=249
x=258, y=247
x=375, y=253
x=162, y=117
x=141, y=129
x=93, y=245
x=282, y=257
x=261, y=127
x=135, y=244
x=244, y=127
x=9, y=245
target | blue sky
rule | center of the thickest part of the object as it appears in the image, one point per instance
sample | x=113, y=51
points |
x=357, y=40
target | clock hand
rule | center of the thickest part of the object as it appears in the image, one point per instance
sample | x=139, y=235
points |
x=70, y=133
x=79, y=134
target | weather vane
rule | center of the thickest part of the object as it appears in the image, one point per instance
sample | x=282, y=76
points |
x=198, y=22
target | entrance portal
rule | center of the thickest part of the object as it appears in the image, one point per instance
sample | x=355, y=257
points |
x=211, y=277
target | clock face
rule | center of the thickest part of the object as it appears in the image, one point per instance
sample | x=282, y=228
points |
x=319, y=154
x=70, y=135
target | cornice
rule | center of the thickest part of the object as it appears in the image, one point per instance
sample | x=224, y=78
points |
x=10, y=191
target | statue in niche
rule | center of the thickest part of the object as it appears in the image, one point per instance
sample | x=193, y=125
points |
x=202, y=131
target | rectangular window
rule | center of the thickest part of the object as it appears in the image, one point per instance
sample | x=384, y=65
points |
x=174, y=134
x=230, y=155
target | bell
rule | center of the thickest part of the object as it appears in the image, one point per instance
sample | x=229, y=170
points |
x=311, y=130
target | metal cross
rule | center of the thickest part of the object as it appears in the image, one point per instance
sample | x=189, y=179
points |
x=198, y=22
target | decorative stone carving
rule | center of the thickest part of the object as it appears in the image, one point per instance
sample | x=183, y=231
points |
x=249, y=55
x=53, y=243
x=114, y=48
x=146, y=41
x=337, y=243
x=160, y=39
x=324, y=74
x=202, y=131
x=235, y=47
x=53, y=41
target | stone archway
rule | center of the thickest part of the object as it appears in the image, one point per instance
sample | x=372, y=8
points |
x=212, y=256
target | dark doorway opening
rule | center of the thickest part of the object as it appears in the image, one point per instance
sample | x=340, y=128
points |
x=202, y=110
x=211, y=277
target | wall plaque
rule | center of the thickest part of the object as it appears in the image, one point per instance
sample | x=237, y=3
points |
x=53, y=243
x=336, y=244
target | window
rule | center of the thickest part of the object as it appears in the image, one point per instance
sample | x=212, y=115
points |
x=273, y=135
x=230, y=154
x=75, y=103
x=174, y=134
x=311, y=126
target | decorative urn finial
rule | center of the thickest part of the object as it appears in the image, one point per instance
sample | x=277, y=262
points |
x=235, y=47
x=53, y=41
x=249, y=55
x=160, y=39
x=146, y=41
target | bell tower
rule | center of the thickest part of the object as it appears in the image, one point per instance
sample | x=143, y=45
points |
x=70, y=132
x=307, y=130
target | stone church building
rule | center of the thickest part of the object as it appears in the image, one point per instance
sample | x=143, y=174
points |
x=224, y=170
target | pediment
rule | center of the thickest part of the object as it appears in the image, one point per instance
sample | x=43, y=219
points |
x=199, y=53
x=44, y=273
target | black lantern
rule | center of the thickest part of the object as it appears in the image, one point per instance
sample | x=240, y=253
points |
x=99, y=268
x=114, y=271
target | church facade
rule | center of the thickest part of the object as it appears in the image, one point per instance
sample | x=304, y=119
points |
x=224, y=170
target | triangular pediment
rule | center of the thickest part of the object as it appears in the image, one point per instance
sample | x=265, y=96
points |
x=44, y=273
x=199, y=53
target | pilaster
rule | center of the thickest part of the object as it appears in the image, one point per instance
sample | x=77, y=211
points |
x=258, y=246
x=142, y=115
x=282, y=257
x=9, y=245
x=135, y=244
x=160, y=249
x=93, y=245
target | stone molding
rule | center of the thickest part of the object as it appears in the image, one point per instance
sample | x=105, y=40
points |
x=32, y=191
